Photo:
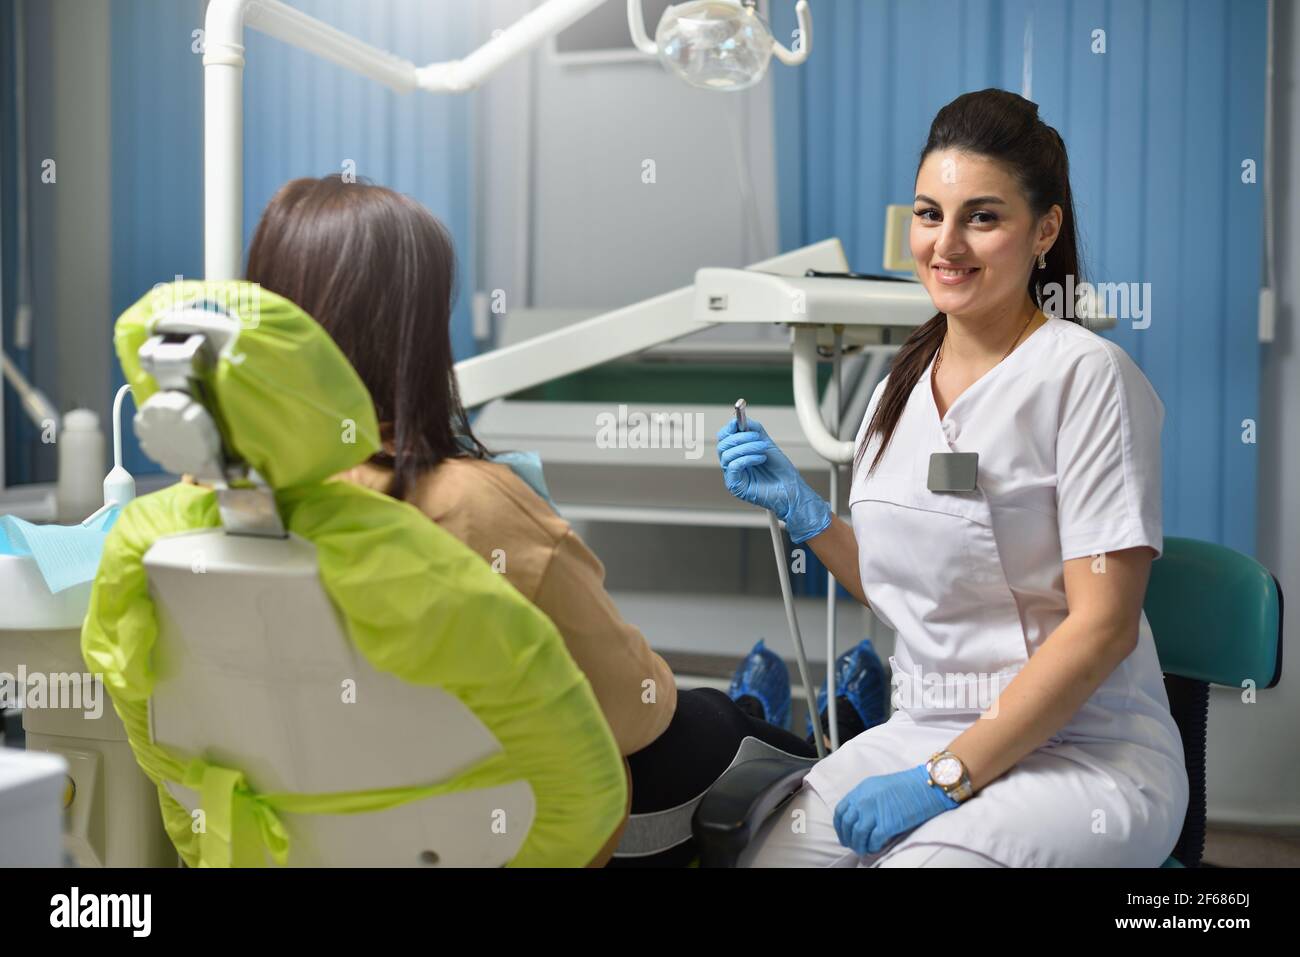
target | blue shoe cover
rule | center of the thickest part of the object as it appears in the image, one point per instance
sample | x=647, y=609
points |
x=859, y=677
x=764, y=676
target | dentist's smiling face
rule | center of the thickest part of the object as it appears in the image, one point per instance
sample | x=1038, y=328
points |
x=974, y=237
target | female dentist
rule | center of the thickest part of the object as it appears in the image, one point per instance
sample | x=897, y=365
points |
x=1031, y=726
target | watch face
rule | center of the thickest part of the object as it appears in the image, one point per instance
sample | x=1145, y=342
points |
x=946, y=772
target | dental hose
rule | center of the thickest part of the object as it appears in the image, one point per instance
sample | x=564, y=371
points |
x=778, y=547
x=832, y=706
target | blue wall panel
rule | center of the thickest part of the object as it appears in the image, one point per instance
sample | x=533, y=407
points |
x=1157, y=127
x=156, y=211
x=1241, y=353
x=306, y=117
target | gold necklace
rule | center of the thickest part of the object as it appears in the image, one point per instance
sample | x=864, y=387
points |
x=934, y=370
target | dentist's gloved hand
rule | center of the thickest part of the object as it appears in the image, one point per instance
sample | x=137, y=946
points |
x=886, y=805
x=756, y=471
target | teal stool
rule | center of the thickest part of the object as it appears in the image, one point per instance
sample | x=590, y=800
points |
x=1216, y=615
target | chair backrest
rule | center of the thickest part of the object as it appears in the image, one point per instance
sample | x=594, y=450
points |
x=1216, y=616
x=255, y=671
x=323, y=671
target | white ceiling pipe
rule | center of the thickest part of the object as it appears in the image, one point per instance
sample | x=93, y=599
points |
x=223, y=138
x=459, y=76
x=297, y=29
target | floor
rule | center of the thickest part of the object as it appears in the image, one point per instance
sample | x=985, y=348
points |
x=1225, y=847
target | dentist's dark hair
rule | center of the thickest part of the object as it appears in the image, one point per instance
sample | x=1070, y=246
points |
x=1006, y=128
x=378, y=271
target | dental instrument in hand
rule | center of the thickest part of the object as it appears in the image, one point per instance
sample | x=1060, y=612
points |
x=787, y=596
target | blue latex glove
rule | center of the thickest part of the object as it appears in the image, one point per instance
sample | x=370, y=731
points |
x=886, y=805
x=756, y=471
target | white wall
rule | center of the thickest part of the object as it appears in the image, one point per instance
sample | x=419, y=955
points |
x=566, y=222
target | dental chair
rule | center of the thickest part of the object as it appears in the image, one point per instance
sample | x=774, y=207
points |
x=1216, y=616
x=310, y=672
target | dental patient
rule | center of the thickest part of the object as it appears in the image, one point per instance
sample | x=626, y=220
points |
x=377, y=270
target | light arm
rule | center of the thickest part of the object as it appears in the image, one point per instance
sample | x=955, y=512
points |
x=794, y=58
x=458, y=76
x=622, y=332
x=636, y=25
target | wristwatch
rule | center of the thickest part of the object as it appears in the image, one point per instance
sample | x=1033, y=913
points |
x=948, y=772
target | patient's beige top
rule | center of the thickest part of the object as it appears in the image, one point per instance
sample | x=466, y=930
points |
x=495, y=513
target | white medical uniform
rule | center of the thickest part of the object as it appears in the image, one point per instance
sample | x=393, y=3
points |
x=1068, y=434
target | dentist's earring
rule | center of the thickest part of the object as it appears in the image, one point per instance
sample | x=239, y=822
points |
x=1038, y=287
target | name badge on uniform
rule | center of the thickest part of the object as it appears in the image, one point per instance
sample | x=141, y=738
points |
x=953, y=471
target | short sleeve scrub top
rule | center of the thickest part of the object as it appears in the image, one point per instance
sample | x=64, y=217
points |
x=1068, y=434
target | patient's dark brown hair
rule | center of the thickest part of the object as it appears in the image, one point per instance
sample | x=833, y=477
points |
x=378, y=271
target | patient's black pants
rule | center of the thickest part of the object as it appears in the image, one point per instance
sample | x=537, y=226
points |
x=697, y=746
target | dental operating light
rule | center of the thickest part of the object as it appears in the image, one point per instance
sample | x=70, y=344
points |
x=718, y=44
